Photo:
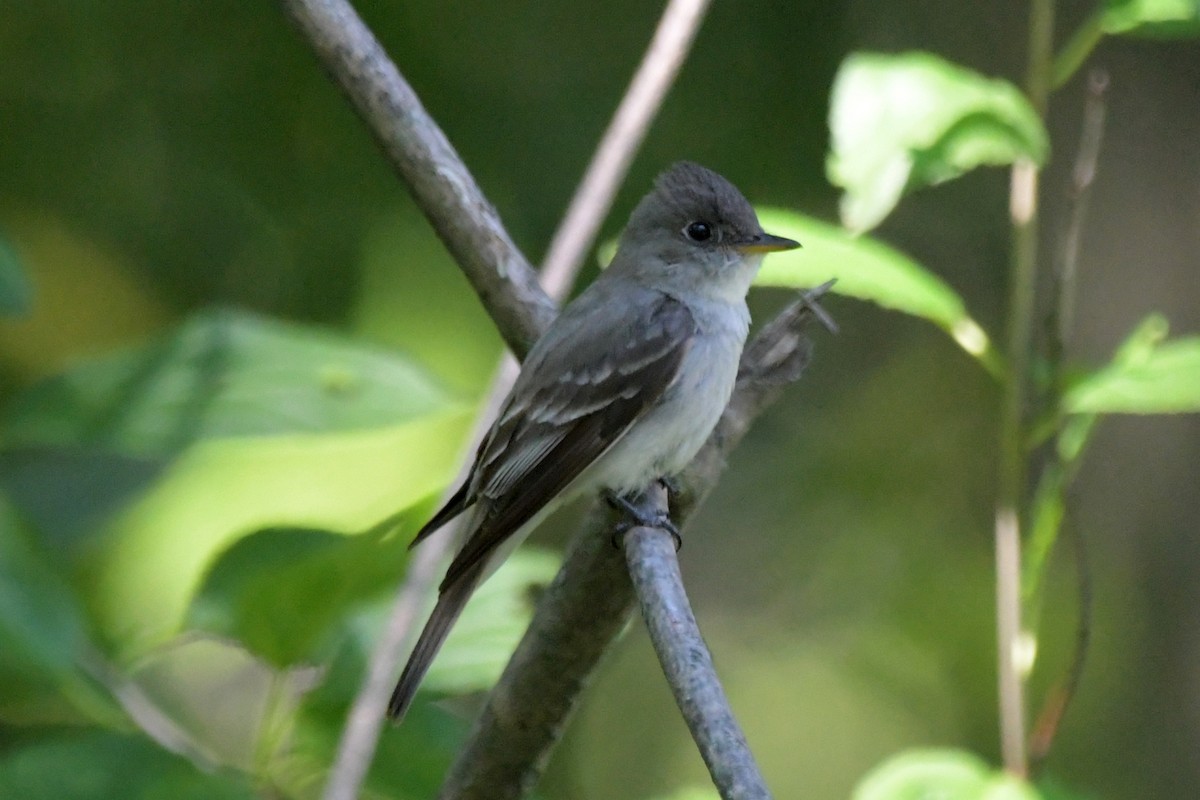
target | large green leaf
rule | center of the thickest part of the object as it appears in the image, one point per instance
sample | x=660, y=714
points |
x=88, y=765
x=927, y=774
x=1164, y=380
x=223, y=374
x=16, y=295
x=899, y=122
x=867, y=269
x=145, y=466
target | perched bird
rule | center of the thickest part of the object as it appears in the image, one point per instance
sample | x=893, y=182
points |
x=622, y=389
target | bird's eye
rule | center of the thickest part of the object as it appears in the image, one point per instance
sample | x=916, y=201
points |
x=698, y=231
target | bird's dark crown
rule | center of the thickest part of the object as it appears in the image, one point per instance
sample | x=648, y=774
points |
x=688, y=192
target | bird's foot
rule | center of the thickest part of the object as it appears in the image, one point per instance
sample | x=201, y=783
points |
x=637, y=516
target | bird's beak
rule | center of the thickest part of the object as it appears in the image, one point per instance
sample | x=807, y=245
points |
x=766, y=243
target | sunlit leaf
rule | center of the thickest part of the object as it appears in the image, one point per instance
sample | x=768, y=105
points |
x=85, y=765
x=899, y=122
x=867, y=269
x=16, y=295
x=1155, y=18
x=1164, y=380
x=221, y=490
x=926, y=774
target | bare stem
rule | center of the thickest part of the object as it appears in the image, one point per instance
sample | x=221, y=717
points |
x=661, y=63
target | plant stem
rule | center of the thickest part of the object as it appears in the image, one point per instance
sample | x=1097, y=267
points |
x=1023, y=211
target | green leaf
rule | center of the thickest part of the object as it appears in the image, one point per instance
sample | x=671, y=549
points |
x=899, y=122
x=223, y=374
x=867, y=269
x=16, y=295
x=281, y=592
x=928, y=774
x=1152, y=18
x=1162, y=380
x=148, y=464
x=87, y=765
x=41, y=627
x=486, y=634
x=159, y=549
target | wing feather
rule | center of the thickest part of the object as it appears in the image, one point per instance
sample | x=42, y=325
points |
x=550, y=433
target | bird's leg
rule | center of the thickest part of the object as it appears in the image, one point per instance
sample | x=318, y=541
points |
x=638, y=516
x=671, y=484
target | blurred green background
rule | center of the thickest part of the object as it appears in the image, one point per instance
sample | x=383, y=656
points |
x=158, y=160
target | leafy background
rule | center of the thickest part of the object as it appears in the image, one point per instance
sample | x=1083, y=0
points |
x=253, y=332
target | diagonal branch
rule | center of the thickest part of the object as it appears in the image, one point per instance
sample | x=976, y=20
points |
x=428, y=164
x=591, y=598
x=686, y=662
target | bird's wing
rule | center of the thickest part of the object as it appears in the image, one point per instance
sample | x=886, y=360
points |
x=577, y=403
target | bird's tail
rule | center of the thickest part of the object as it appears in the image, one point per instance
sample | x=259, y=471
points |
x=450, y=604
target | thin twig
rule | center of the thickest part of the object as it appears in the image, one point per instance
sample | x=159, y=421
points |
x=1066, y=268
x=589, y=601
x=1063, y=305
x=672, y=40
x=435, y=175
x=146, y=713
x=686, y=661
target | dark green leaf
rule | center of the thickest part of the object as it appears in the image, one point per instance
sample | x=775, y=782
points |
x=95, y=764
x=1164, y=380
x=899, y=122
x=280, y=592
x=224, y=374
x=926, y=774
x=1153, y=18
x=41, y=626
x=867, y=269
x=16, y=295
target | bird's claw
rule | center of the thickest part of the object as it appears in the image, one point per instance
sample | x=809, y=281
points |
x=637, y=517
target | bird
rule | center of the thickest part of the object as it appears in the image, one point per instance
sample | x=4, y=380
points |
x=622, y=389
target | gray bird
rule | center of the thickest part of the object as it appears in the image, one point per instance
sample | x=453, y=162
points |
x=622, y=389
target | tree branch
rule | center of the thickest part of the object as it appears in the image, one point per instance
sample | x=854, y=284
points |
x=686, y=662
x=591, y=598
x=427, y=162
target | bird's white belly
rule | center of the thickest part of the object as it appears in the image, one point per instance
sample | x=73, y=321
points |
x=669, y=435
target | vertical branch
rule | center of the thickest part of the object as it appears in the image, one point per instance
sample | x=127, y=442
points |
x=1024, y=216
x=670, y=45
